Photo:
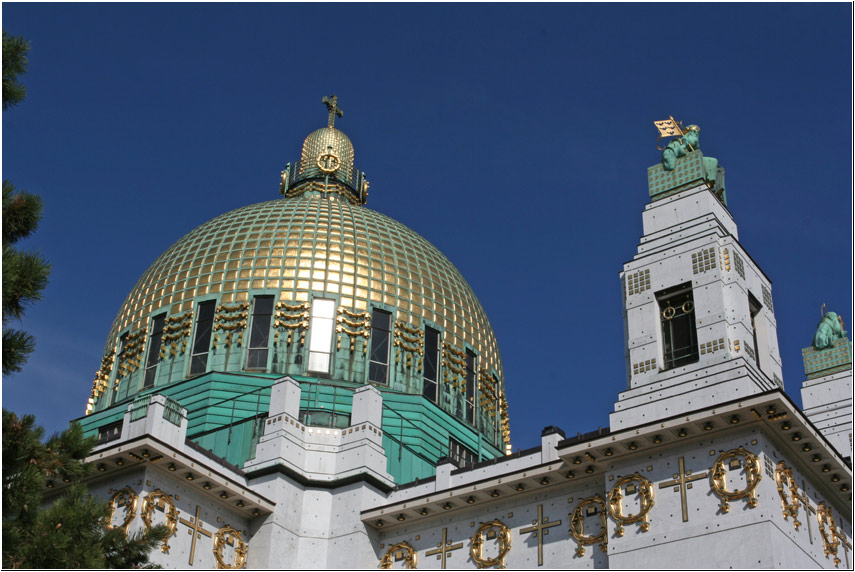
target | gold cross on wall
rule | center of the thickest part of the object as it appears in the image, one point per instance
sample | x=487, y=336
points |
x=332, y=106
x=683, y=482
x=805, y=500
x=539, y=529
x=443, y=548
x=196, y=530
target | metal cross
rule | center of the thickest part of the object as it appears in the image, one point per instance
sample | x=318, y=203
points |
x=332, y=106
x=847, y=546
x=805, y=500
x=683, y=482
x=443, y=548
x=539, y=529
x=196, y=530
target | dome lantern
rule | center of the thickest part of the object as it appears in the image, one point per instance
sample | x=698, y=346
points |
x=326, y=165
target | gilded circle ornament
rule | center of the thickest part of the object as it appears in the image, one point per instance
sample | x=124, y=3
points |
x=328, y=162
x=828, y=531
x=402, y=550
x=124, y=498
x=668, y=312
x=228, y=535
x=577, y=524
x=160, y=500
x=788, y=490
x=644, y=489
x=487, y=531
x=718, y=477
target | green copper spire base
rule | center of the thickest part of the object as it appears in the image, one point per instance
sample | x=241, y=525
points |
x=819, y=363
x=689, y=172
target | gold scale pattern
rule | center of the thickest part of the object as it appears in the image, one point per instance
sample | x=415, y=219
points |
x=310, y=245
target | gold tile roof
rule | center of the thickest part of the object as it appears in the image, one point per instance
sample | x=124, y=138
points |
x=307, y=246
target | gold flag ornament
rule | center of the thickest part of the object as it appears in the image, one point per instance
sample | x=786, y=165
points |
x=668, y=128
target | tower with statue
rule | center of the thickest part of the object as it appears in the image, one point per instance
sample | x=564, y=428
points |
x=307, y=383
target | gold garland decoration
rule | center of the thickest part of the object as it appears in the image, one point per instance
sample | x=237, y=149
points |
x=159, y=499
x=718, y=478
x=228, y=535
x=124, y=497
x=493, y=529
x=293, y=307
x=345, y=311
x=830, y=535
x=644, y=490
x=788, y=490
x=406, y=551
x=409, y=329
x=577, y=525
x=235, y=308
x=353, y=323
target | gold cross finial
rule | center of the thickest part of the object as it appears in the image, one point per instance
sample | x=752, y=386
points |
x=332, y=106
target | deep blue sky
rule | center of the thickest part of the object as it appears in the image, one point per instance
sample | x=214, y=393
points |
x=516, y=138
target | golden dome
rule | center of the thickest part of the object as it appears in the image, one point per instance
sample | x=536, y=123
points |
x=309, y=246
x=327, y=151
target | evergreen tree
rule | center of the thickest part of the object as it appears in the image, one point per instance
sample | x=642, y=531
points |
x=24, y=273
x=15, y=50
x=70, y=532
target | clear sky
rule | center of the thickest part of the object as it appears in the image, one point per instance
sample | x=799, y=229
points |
x=516, y=138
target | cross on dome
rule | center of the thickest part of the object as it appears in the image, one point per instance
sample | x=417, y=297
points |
x=332, y=106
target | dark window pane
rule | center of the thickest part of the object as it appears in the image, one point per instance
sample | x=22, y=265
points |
x=154, y=350
x=259, y=333
x=202, y=342
x=378, y=367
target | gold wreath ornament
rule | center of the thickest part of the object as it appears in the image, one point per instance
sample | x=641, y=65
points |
x=644, y=490
x=718, y=478
x=127, y=498
x=487, y=531
x=577, y=525
x=160, y=500
x=405, y=551
x=828, y=531
x=788, y=490
x=228, y=535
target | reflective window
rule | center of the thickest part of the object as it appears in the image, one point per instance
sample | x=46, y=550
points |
x=460, y=454
x=321, y=331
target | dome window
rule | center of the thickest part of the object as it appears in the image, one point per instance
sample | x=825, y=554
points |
x=470, y=386
x=202, y=340
x=431, y=363
x=153, y=350
x=381, y=329
x=259, y=335
x=321, y=327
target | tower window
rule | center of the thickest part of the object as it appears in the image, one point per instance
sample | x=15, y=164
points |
x=153, y=349
x=431, y=364
x=470, y=386
x=462, y=455
x=320, y=346
x=754, y=309
x=259, y=333
x=679, y=333
x=381, y=329
x=202, y=341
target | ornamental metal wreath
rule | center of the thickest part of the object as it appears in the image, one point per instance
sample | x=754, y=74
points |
x=645, y=496
x=407, y=552
x=577, y=525
x=476, y=548
x=718, y=478
x=159, y=499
